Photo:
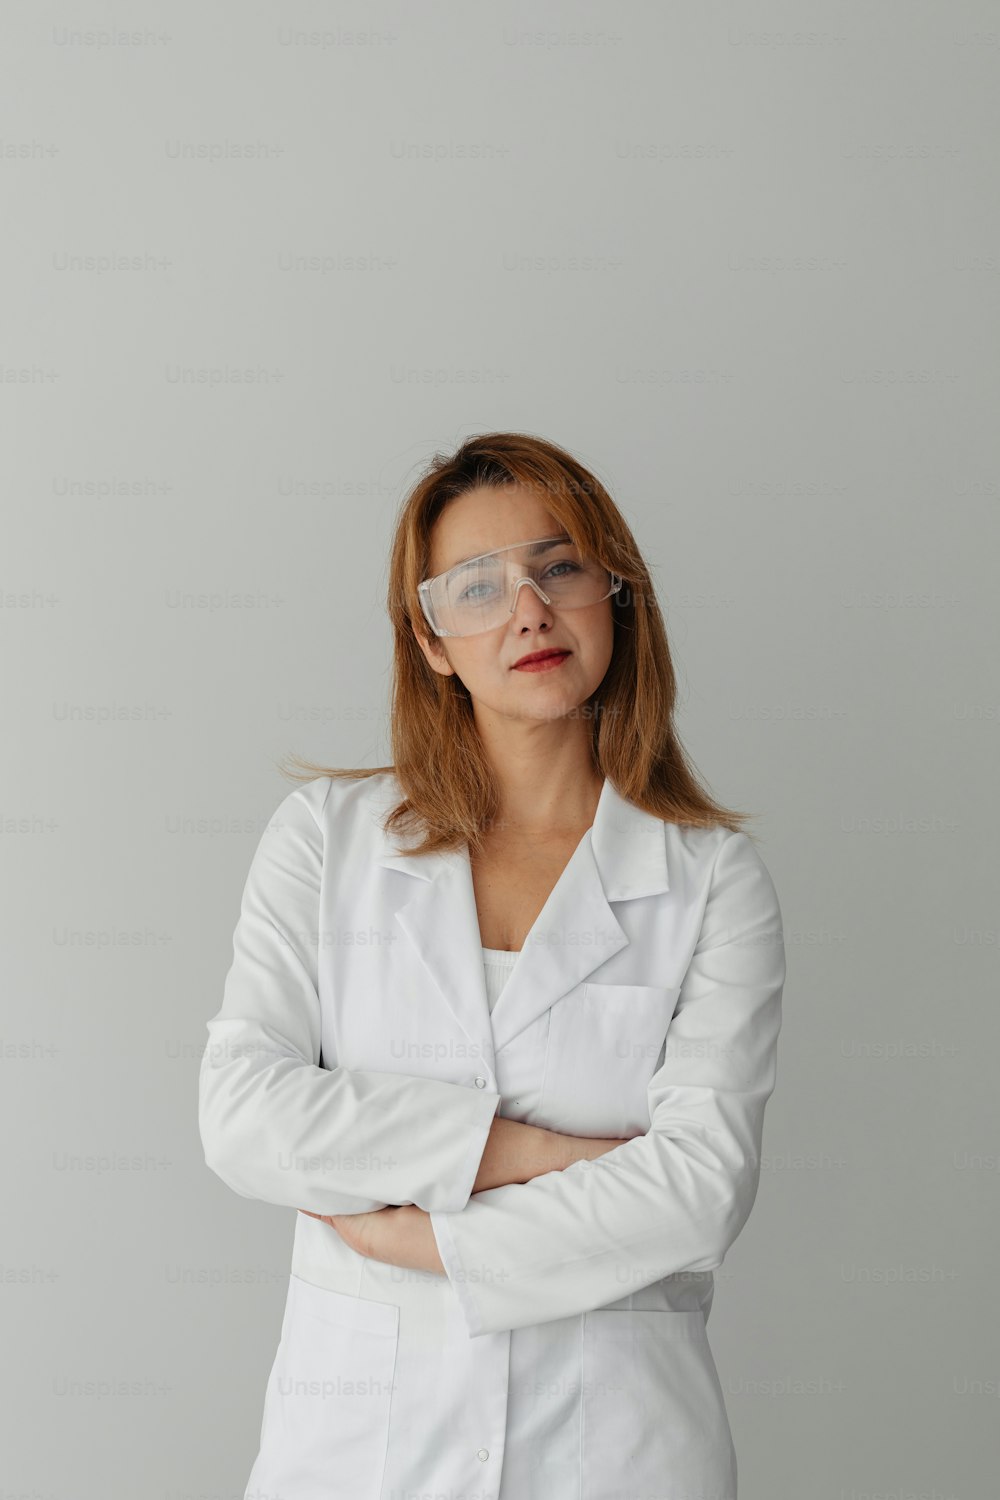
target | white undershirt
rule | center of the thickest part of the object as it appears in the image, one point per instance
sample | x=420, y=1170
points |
x=497, y=964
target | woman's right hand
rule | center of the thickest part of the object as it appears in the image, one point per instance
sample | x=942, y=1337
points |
x=518, y=1153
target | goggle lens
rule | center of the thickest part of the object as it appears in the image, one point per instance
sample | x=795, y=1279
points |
x=480, y=594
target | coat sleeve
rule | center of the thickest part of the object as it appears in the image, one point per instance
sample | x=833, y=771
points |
x=669, y=1201
x=277, y=1125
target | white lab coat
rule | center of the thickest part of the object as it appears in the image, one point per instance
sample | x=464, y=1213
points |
x=355, y=1063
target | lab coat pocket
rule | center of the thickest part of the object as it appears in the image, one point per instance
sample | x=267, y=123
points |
x=604, y=1045
x=325, y=1426
x=654, y=1416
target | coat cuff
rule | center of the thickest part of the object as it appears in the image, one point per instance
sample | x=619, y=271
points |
x=455, y=1271
x=479, y=1132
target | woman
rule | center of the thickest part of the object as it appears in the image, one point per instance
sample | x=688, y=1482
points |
x=513, y=1075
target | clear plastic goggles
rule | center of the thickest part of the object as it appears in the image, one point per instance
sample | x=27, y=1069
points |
x=481, y=593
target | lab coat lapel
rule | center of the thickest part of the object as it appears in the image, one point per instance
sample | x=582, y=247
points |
x=436, y=922
x=574, y=933
x=440, y=926
x=622, y=856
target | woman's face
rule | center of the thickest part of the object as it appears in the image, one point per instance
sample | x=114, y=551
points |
x=480, y=521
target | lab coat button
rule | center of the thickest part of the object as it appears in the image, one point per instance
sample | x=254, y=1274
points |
x=484, y=1454
x=480, y=1083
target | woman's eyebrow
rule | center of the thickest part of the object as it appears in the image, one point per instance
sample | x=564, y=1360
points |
x=533, y=550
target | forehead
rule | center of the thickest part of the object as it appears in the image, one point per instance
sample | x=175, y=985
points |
x=482, y=520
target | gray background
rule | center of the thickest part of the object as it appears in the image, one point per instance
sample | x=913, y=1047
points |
x=743, y=261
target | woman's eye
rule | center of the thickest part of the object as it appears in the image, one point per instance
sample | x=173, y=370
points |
x=469, y=594
x=476, y=593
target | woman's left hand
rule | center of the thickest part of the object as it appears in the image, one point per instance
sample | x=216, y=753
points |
x=398, y=1235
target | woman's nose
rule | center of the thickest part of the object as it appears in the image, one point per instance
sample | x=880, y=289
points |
x=529, y=604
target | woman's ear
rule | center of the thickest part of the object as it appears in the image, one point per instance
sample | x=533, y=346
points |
x=435, y=653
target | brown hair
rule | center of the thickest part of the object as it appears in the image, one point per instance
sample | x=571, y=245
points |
x=450, y=789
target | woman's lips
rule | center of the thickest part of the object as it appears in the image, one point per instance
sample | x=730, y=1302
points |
x=547, y=664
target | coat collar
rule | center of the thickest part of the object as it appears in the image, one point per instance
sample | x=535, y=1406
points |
x=621, y=857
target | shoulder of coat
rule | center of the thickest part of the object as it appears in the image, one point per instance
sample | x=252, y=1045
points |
x=330, y=797
x=695, y=844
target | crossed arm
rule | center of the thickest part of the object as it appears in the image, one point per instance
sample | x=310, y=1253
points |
x=404, y=1236
x=528, y=1225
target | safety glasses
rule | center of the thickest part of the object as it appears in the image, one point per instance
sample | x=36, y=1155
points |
x=481, y=593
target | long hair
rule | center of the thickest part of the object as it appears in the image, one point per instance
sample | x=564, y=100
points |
x=451, y=794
